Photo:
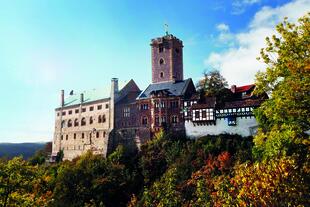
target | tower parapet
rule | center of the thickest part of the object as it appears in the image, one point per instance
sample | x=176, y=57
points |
x=167, y=59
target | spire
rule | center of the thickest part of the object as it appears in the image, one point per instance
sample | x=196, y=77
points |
x=166, y=29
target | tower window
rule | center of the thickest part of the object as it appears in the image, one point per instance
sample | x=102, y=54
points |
x=161, y=61
x=160, y=48
x=177, y=50
x=161, y=74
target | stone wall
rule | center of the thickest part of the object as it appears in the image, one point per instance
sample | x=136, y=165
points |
x=75, y=140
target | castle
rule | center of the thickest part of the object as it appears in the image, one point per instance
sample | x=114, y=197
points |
x=94, y=120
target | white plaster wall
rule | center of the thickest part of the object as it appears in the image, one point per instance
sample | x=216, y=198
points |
x=242, y=128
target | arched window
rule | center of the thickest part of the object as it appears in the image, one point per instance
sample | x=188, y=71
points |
x=69, y=123
x=103, y=118
x=161, y=74
x=161, y=61
x=99, y=119
x=63, y=124
x=76, y=122
x=91, y=120
x=144, y=120
x=83, y=122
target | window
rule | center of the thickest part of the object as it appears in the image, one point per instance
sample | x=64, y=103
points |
x=76, y=122
x=63, y=124
x=174, y=104
x=91, y=120
x=57, y=113
x=163, y=120
x=144, y=106
x=103, y=118
x=91, y=108
x=70, y=112
x=77, y=111
x=97, y=135
x=66, y=137
x=62, y=137
x=69, y=123
x=63, y=113
x=174, y=119
x=74, y=136
x=157, y=120
x=197, y=114
x=161, y=61
x=99, y=107
x=83, y=122
x=160, y=48
x=231, y=121
x=82, y=135
x=204, y=114
x=83, y=109
x=162, y=104
x=161, y=74
x=99, y=119
x=156, y=104
x=126, y=112
x=177, y=50
x=104, y=133
x=144, y=120
x=107, y=106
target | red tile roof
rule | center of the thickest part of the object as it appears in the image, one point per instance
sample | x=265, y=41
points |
x=244, y=88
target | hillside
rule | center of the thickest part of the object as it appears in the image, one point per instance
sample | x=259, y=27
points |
x=11, y=150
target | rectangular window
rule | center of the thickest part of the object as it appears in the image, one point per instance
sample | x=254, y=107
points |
x=63, y=113
x=91, y=108
x=174, y=104
x=83, y=109
x=126, y=112
x=204, y=114
x=99, y=107
x=57, y=113
x=76, y=111
x=156, y=105
x=174, y=119
x=70, y=112
x=107, y=106
x=157, y=120
x=160, y=48
x=197, y=114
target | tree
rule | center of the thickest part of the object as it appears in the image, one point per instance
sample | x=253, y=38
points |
x=285, y=116
x=214, y=85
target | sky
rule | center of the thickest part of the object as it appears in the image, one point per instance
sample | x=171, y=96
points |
x=50, y=45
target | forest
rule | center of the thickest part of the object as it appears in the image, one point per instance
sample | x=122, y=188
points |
x=270, y=169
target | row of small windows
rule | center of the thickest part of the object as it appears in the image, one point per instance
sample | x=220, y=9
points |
x=246, y=109
x=91, y=108
x=173, y=104
x=160, y=120
x=70, y=123
x=83, y=135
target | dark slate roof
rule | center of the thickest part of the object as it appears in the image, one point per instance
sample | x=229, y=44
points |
x=173, y=88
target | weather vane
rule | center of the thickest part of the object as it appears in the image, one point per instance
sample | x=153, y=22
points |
x=166, y=28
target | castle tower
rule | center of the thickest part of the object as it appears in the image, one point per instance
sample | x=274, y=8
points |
x=167, y=59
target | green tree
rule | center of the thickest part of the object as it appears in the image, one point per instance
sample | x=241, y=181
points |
x=285, y=116
x=214, y=84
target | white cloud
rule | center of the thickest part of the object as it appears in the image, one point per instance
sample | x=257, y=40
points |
x=222, y=27
x=238, y=63
x=239, y=6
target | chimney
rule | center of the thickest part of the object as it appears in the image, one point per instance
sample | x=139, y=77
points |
x=233, y=88
x=62, y=98
x=82, y=97
x=114, y=87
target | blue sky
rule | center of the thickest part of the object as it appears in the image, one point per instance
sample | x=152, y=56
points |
x=46, y=46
